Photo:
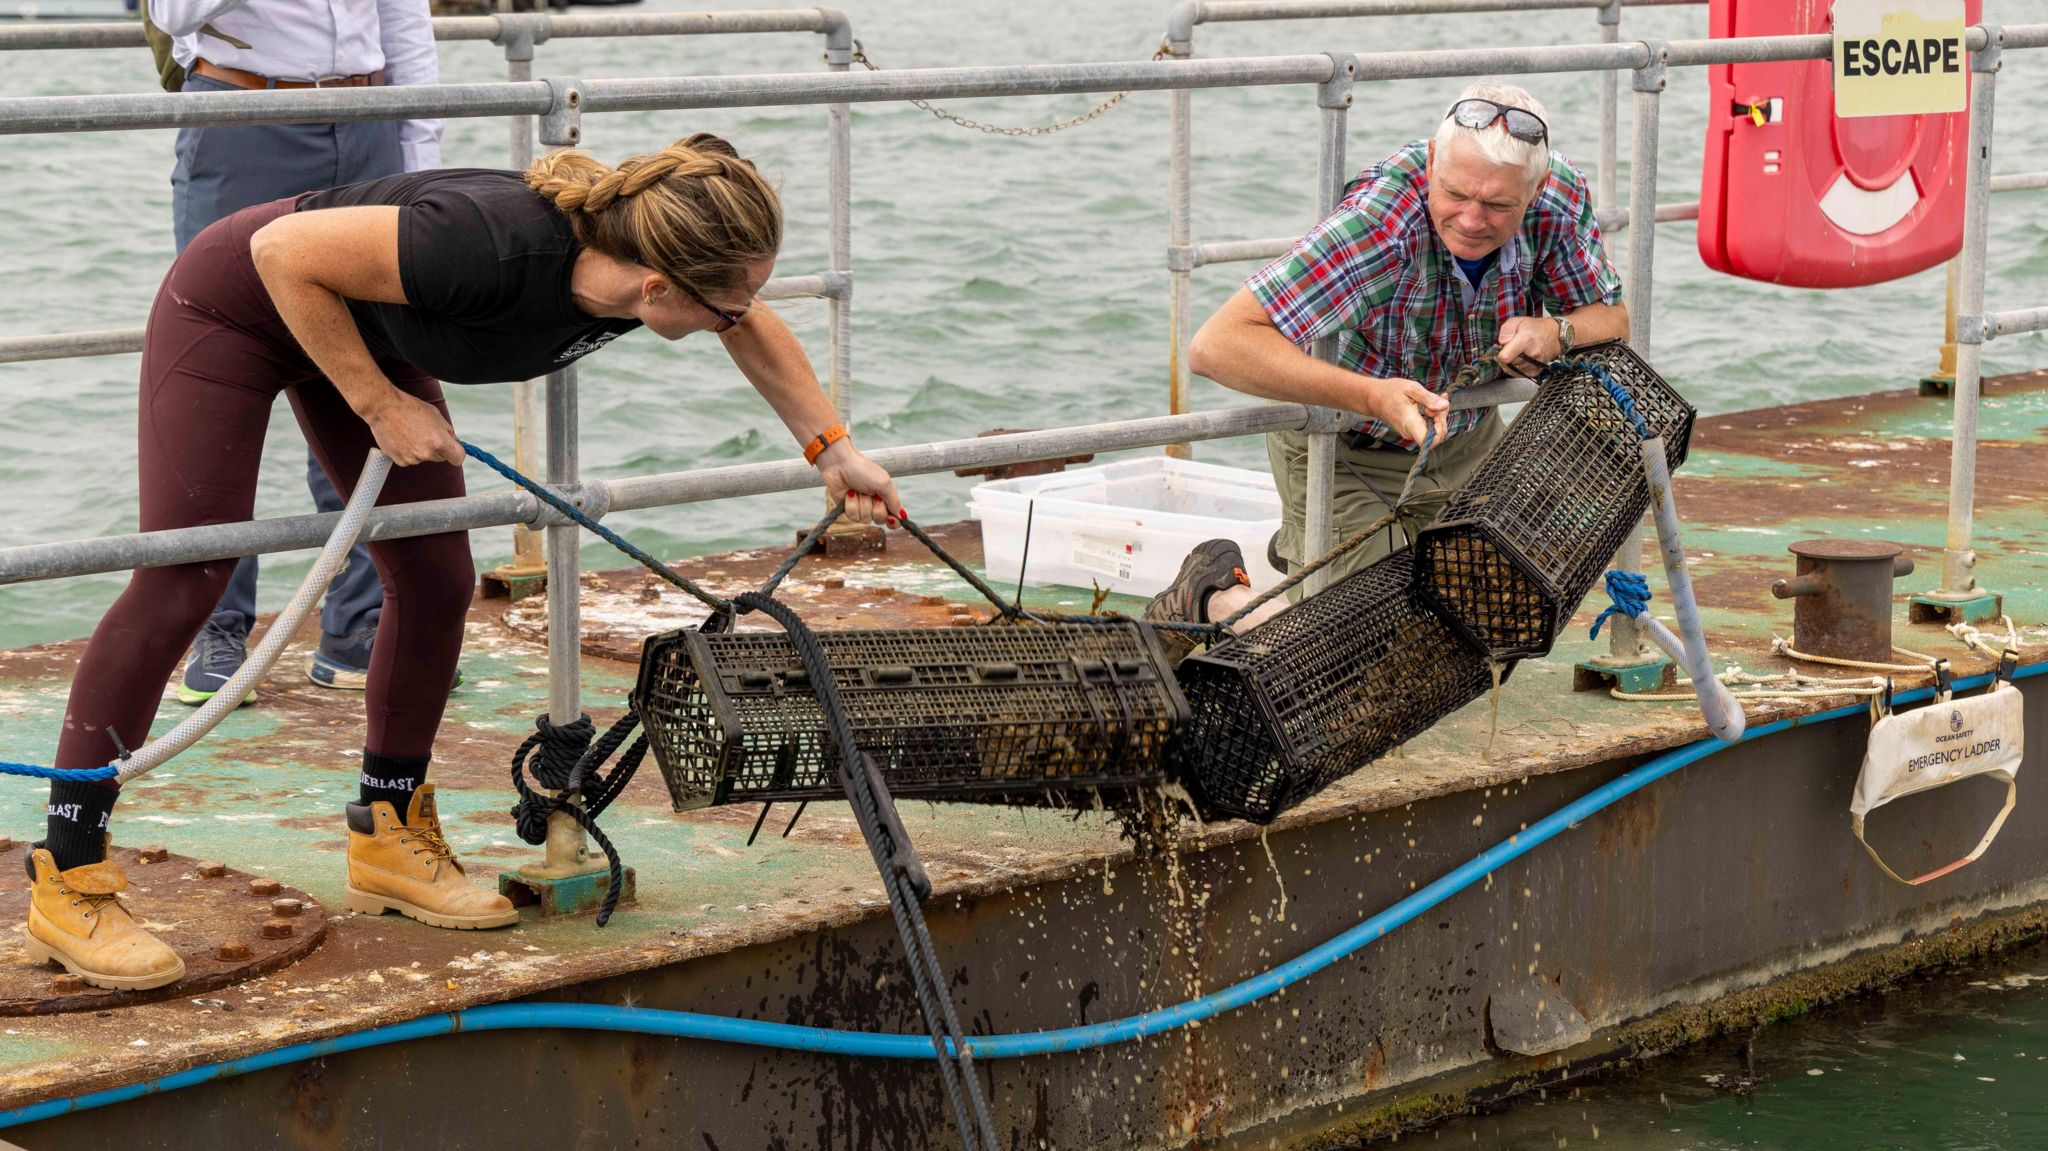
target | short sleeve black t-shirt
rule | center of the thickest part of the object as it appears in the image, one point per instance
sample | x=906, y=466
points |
x=485, y=263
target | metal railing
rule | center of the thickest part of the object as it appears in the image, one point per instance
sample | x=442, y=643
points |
x=561, y=102
x=518, y=34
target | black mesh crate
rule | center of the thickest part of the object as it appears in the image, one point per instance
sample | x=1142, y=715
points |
x=1319, y=691
x=1509, y=558
x=990, y=713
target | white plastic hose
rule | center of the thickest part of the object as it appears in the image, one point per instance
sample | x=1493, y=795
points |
x=1718, y=705
x=160, y=751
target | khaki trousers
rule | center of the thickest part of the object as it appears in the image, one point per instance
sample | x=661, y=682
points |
x=1362, y=472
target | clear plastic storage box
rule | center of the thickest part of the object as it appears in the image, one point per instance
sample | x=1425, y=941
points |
x=1125, y=526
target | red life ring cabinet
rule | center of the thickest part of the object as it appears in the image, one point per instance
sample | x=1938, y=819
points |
x=1791, y=195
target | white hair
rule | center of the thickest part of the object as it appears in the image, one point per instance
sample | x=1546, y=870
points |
x=1493, y=140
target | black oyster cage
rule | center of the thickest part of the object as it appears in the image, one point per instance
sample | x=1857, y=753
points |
x=1509, y=558
x=991, y=713
x=1319, y=691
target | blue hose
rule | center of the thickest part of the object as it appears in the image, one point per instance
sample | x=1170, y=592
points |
x=883, y=1045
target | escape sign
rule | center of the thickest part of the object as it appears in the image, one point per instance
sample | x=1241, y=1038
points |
x=1899, y=57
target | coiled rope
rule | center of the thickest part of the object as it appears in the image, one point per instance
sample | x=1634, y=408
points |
x=1628, y=594
x=567, y=765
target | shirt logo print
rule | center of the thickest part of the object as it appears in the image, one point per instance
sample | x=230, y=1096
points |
x=584, y=346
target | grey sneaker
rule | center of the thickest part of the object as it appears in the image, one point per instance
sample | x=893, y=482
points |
x=1213, y=566
x=343, y=662
x=218, y=653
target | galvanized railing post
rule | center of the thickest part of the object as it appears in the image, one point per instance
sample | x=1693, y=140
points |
x=1625, y=643
x=1959, y=596
x=1179, y=229
x=1629, y=661
x=1604, y=178
x=1333, y=100
x=565, y=880
x=518, y=33
x=553, y=884
x=839, y=180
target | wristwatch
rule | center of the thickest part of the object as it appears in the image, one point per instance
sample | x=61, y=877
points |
x=1565, y=336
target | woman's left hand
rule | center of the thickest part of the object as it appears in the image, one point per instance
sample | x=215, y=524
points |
x=869, y=493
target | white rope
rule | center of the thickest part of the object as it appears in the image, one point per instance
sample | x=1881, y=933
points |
x=1788, y=685
x=1782, y=646
x=1973, y=638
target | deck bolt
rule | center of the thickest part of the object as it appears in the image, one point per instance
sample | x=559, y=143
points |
x=832, y=583
x=6, y=843
x=933, y=600
x=233, y=952
x=66, y=983
x=286, y=908
x=277, y=929
x=265, y=887
x=154, y=853
x=211, y=869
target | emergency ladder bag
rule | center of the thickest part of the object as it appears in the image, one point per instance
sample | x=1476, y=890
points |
x=1947, y=741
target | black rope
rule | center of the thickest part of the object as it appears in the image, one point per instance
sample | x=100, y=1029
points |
x=803, y=548
x=550, y=498
x=902, y=875
x=568, y=764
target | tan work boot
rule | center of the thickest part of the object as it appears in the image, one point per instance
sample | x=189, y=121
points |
x=408, y=868
x=76, y=918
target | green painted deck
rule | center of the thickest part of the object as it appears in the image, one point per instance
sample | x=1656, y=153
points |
x=264, y=793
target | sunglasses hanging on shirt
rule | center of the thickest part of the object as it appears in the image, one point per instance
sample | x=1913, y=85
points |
x=1522, y=124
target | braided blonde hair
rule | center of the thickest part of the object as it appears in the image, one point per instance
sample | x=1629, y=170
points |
x=695, y=211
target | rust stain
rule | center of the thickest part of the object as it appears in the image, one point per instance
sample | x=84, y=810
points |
x=1375, y=1067
x=1630, y=824
x=192, y=914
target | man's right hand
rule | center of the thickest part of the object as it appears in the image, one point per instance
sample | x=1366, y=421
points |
x=412, y=431
x=1408, y=408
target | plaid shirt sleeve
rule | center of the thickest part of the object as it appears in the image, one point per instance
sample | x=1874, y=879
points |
x=1346, y=266
x=1575, y=270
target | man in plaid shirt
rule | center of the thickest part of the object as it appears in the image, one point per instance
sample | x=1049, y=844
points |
x=1480, y=240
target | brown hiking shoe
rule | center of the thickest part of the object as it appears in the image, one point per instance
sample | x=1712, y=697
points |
x=76, y=918
x=409, y=868
x=1213, y=566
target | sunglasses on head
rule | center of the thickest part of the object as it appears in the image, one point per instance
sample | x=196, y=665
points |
x=1522, y=124
x=726, y=320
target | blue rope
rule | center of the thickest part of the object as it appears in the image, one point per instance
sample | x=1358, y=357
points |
x=66, y=774
x=604, y=533
x=35, y=771
x=1630, y=593
x=1622, y=398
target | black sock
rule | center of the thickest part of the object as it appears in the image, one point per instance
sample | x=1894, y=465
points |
x=79, y=811
x=391, y=778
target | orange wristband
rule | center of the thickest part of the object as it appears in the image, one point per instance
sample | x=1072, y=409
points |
x=825, y=439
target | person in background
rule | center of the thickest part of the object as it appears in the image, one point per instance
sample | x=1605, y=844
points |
x=1477, y=242
x=356, y=305
x=228, y=45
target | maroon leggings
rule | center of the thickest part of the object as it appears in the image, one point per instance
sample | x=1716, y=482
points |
x=214, y=357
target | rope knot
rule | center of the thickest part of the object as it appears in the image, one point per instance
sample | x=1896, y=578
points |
x=560, y=749
x=570, y=763
x=1630, y=596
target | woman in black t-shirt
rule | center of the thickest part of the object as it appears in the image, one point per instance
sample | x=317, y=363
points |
x=356, y=304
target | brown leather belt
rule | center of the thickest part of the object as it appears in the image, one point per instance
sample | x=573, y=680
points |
x=241, y=79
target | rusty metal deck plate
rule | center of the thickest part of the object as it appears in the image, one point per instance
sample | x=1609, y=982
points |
x=227, y=925
x=266, y=790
